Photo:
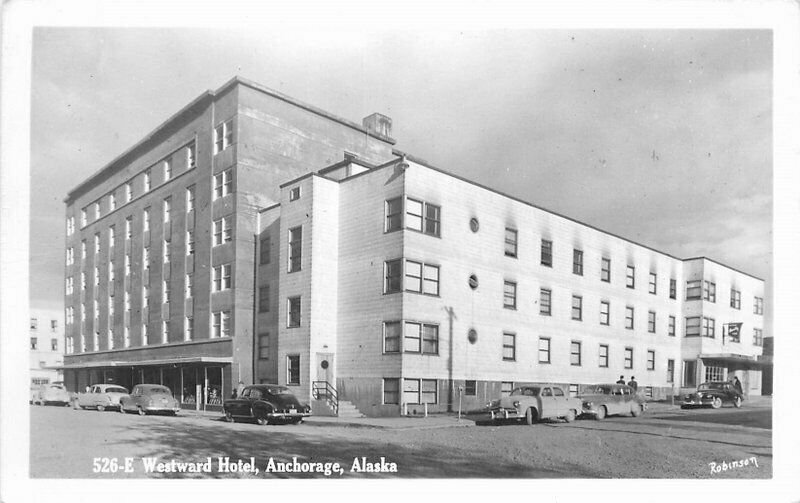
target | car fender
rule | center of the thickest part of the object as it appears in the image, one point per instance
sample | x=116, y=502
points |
x=263, y=406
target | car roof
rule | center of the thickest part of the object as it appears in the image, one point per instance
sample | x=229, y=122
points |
x=150, y=386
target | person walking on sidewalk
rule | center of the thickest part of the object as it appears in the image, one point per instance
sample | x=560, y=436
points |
x=621, y=380
x=633, y=384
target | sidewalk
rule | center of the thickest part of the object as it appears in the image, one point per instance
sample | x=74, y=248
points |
x=395, y=423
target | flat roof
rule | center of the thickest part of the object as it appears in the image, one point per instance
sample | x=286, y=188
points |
x=139, y=363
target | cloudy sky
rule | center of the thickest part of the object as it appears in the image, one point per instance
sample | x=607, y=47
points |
x=660, y=136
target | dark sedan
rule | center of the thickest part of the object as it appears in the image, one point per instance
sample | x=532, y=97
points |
x=266, y=403
x=713, y=394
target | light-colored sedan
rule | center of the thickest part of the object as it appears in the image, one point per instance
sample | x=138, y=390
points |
x=149, y=398
x=48, y=394
x=101, y=397
x=603, y=400
x=535, y=402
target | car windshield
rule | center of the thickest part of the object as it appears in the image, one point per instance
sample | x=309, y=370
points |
x=711, y=385
x=278, y=390
x=56, y=386
x=600, y=390
x=158, y=391
x=527, y=391
x=116, y=390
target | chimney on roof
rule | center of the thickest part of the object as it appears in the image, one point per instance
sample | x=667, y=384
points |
x=378, y=124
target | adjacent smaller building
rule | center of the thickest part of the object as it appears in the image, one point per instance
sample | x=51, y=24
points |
x=46, y=347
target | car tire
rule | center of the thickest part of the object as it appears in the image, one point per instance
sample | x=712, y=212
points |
x=101, y=408
x=601, y=413
x=570, y=417
x=636, y=410
x=262, y=419
x=737, y=402
x=717, y=403
x=531, y=416
x=228, y=417
x=141, y=411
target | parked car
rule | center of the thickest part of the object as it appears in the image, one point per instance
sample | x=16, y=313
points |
x=50, y=394
x=713, y=394
x=101, y=397
x=603, y=400
x=266, y=403
x=147, y=398
x=535, y=402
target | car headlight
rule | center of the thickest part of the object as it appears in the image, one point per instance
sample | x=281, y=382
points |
x=516, y=403
x=587, y=405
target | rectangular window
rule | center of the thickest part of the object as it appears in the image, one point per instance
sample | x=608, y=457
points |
x=97, y=210
x=605, y=310
x=509, y=346
x=412, y=338
x=263, y=347
x=603, y=356
x=758, y=305
x=293, y=369
x=651, y=359
x=544, y=350
x=223, y=136
x=191, y=156
x=470, y=388
x=629, y=317
x=189, y=286
x=146, y=259
x=630, y=277
x=221, y=324
x=575, y=353
x=628, y=358
x=693, y=324
x=112, y=201
x=693, y=290
x=506, y=387
x=128, y=192
x=432, y=219
x=295, y=249
x=53, y=344
x=545, y=302
x=190, y=242
x=708, y=327
x=188, y=328
x=394, y=214
x=222, y=277
x=165, y=250
x=145, y=335
x=111, y=236
x=165, y=331
x=263, y=299
x=391, y=391
x=414, y=214
x=428, y=392
x=670, y=371
x=146, y=296
x=265, y=250
x=294, y=194
x=97, y=243
x=736, y=299
x=430, y=279
x=293, y=312
x=223, y=183
x=83, y=250
x=223, y=230
x=709, y=291
x=509, y=295
x=70, y=226
x=651, y=322
x=34, y=343
x=577, y=262
x=689, y=373
x=167, y=208
x=547, y=253
x=391, y=336
x=167, y=169
x=673, y=289
x=83, y=217
x=189, y=199
x=605, y=270
x=392, y=279
x=147, y=181
x=671, y=327
x=511, y=242
x=714, y=373
x=430, y=339
x=653, y=280
x=577, y=307
x=146, y=220
x=758, y=337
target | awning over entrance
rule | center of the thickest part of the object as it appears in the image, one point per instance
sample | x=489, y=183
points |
x=146, y=363
x=736, y=359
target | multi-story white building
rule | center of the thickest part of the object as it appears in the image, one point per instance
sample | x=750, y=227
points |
x=46, y=347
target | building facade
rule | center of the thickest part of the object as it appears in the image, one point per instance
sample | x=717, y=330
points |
x=254, y=238
x=46, y=347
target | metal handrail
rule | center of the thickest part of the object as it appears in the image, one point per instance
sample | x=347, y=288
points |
x=325, y=389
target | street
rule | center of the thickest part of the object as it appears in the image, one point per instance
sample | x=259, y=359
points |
x=663, y=443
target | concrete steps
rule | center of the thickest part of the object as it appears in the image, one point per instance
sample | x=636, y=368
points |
x=346, y=409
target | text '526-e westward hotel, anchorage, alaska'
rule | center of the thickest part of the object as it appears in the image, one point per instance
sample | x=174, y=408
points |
x=255, y=238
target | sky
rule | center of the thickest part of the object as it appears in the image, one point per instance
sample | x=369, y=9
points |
x=663, y=137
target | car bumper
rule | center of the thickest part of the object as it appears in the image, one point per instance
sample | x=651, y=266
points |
x=288, y=415
x=696, y=403
x=161, y=409
x=504, y=413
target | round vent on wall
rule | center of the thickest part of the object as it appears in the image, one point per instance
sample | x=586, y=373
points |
x=474, y=225
x=473, y=281
x=472, y=336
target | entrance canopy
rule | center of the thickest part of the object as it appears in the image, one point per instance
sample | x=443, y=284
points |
x=733, y=359
x=145, y=363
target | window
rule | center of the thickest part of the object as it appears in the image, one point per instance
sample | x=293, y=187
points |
x=391, y=336
x=34, y=343
x=692, y=326
x=70, y=226
x=671, y=327
x=265, y=250
x=223, y=183
x=629, y=317
x=69, y=286
x=432, y=219
x=511, y=242
x=758, y=337
x=190, y=242
x=506, y=387
x=223, y=230
x=70, y=316
x=83, y=280
x=147, y=180
x=414, y=214
x=736, y=299
x=628, y=358
x=392, y=280
x=127, y=301
x=545, y=302
x=166, y=251
x=714, y=373
x=630, y=277
x=167, y=169
x=263, y=347
x=577, y=307
x=394, y=214
x=189, y=287
x=128, y=192
x=689, y=373
x=430, y=339
x=188, y=328
x=605, y=270
x=167, y=208
x=605, y=309
x=509, y=346
x=191, y=157
x=509, y=295
x=758, y=305
x=673, y=287
x=651, y=322
x=97, y=210
x=221, y=324
x=470, y=388
x=575, y=353
x=83, y=250
x=547, y=253
x=146, y=219
x=70, y=256
x=295, y=248
x=693, y=290
x=430, y=279
x=653, y=280
x=83, y=217
x=112, y=201
x=146, y=259
x=222, y=277
x=128, y=225
x=146, y=296
x=421, y=338
x=422, y=278
x=670, y=371
x=709, y=291
x=111, y=237
x=263, y=299
x=294, y=194
x=293, y=312
x=145, y=335
x=126, y=335
x=603, y=356
x=165, y=331
x=190, y=199
x=96, y=276
x=53, y=344
x=223, y=136
x=651, y=359
x=293, y=369
x=391, y=391
x=544, y=350
x=577, y=262
x=166, y=290
x=708, y=327
x=419, y=391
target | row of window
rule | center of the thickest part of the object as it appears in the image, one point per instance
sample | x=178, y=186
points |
x=35, y=344
x=35, y=324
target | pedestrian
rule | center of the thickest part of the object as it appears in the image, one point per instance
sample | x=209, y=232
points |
x=621, y=380
x=633, y=384
x=737, y=384
x=239, y=388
